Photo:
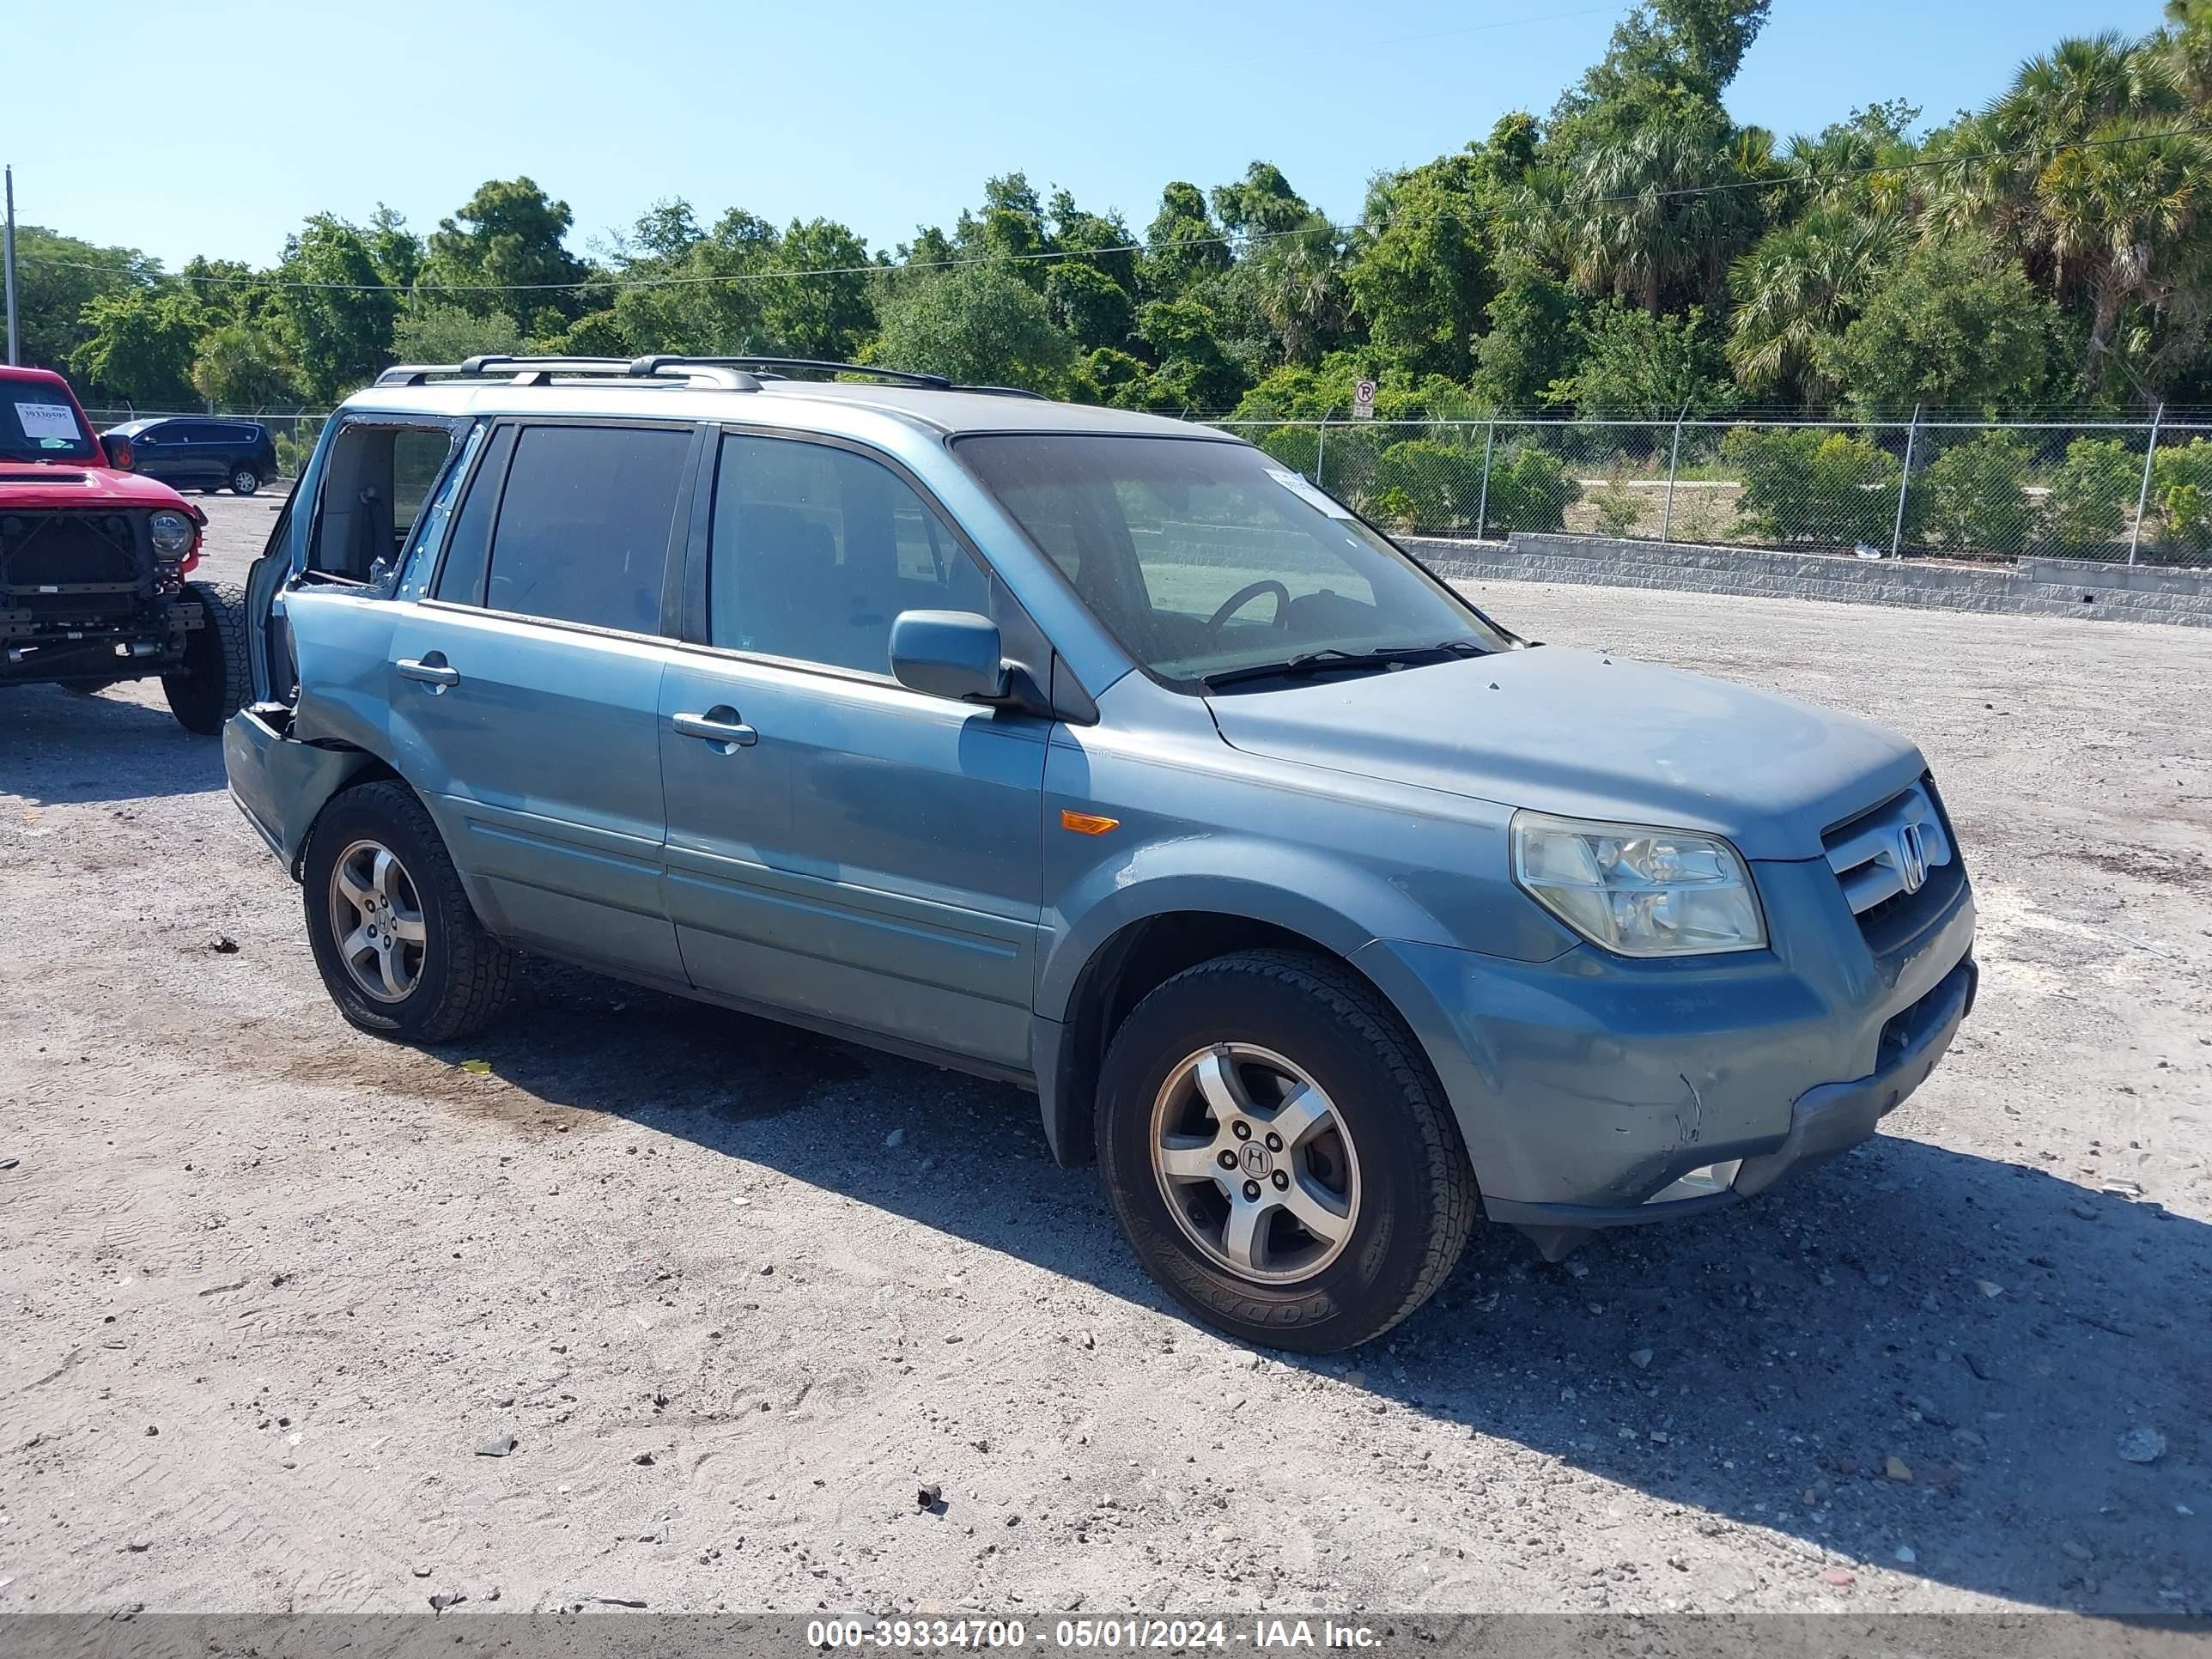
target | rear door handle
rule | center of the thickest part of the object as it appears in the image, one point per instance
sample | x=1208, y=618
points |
x=719, y=725
x=430, y=673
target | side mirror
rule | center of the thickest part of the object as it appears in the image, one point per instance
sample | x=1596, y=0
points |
x=949, y=653
x=117, y=451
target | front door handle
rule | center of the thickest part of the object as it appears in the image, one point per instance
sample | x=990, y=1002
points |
x=719, y=725
x=431, y=671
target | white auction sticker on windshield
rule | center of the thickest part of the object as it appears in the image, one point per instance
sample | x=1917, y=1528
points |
x=1306, y=493
x=48, y=420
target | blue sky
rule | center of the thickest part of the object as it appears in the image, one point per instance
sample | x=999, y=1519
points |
x=214, y=127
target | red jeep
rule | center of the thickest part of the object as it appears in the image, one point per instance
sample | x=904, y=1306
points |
x=94, y=561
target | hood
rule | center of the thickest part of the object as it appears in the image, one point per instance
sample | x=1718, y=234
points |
x=34, y=484
x=1589, y=737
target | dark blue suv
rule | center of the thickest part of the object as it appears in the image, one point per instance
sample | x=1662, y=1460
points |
x=201, y=452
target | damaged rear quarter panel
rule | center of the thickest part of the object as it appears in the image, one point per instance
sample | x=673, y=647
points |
x=339, y=727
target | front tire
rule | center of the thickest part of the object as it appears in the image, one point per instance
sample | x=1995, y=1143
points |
x=244, y=481
x=395, y=939
x=1279, y=1154
x=214, y=680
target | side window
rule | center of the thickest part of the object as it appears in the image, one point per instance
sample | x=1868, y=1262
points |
x=373, y=483
x=468, y=550
x=584, y=525
x=816, y=550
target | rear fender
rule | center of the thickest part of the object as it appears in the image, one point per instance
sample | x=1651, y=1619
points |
x=280, y=784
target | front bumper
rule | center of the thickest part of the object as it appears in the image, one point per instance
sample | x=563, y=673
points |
x=1587, y=1089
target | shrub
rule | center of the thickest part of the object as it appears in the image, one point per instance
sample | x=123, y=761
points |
x=2181, y=485
x=1620, y=509
x=1437, y=486
x=1529, y=489
x=1394, y=507
x=1801, y=484
x=1974, y=496
x=2091, y=492
x=1297, y=448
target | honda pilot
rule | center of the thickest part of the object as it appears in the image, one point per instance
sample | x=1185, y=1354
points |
x=1102, y=754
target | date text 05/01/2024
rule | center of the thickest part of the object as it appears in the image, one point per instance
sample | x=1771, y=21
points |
x=1132, y=1633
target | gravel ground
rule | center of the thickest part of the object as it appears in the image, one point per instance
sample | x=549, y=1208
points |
x=273, y=1290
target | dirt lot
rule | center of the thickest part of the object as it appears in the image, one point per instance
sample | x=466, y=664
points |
x=273, y=1289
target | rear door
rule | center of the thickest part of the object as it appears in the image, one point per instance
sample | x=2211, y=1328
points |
x=840, y=847
x=525, y=691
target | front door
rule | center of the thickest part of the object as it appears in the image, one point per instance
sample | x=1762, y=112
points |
x=839, y=847
x=525, y=692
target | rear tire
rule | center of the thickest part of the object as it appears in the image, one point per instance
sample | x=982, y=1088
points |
x=1209, y=1067
x=215, y=679
x=244, y=481
x=446, y=978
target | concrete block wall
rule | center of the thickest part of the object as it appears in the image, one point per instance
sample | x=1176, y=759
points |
x=2050, y=587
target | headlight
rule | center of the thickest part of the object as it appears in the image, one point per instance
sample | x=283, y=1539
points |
x=172, y=534
x=1641, y=891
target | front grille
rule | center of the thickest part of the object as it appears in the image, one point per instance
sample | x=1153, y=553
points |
x=60, y=549
x=1898, y=865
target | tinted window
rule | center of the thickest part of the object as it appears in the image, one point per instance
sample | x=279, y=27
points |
x=816, y=550
x=584, y=525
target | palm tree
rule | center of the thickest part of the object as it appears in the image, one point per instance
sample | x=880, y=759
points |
x=1801, y=285
x=2084, y=169
x=1641, y=216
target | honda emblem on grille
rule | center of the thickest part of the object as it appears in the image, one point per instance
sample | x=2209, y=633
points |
x=1912, y=857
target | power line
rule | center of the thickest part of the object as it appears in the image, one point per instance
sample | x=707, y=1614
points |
x=1236, y=240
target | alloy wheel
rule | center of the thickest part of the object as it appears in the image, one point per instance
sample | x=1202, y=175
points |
x=1255, y=1162
x=376, y=918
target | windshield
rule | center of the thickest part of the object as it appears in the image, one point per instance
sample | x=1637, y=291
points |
x=38, y=423
x=1211, y=562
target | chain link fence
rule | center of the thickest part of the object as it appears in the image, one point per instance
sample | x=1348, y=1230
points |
x=1987, y=490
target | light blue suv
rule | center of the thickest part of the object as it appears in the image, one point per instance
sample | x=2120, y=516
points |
x=1102, y=754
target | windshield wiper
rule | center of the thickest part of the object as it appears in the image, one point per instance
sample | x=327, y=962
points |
x=1334, y=657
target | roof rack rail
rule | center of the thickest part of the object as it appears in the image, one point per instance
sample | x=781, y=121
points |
x=903, y=376
x=1004, y=392
x=540, y=371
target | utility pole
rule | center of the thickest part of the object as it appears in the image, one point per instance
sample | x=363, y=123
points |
x=15, y=354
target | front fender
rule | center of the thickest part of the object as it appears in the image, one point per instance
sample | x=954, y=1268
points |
x=1338, y=908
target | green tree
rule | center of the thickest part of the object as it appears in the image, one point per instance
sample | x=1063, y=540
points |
x=1184, y=247
x=1423, y=280
x=827, y=314
x=1091, y=305
x=1638, y=366
x=1533, y=341
x=1952, y=329
x=337, y=310
x=57, y=278
x=1799, y=289
x=1193, y=374
x=244, y=366
x=504, y=251
x=140, y=349
x=432, y=331
x=978, y=325
x=2090, y=170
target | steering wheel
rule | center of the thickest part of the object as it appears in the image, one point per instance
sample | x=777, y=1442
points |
x=1244, y=596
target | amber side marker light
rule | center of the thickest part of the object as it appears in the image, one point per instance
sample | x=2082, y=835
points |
x=1088, y=824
